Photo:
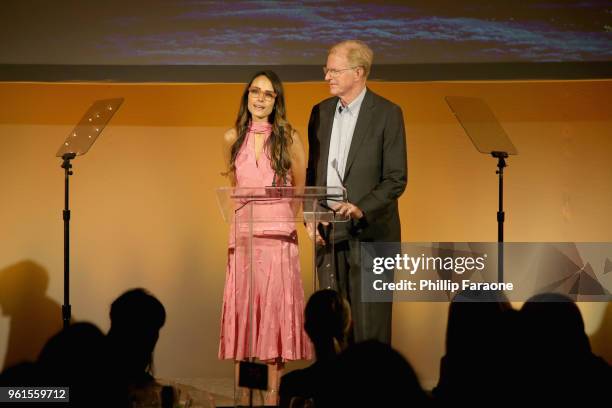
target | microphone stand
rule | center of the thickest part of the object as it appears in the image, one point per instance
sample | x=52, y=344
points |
x=501, y=216
x=66, y=308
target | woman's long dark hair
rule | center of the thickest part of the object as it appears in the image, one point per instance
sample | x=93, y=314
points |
x=277, y=145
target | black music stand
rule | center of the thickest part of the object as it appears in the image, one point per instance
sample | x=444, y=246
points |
x=76, y=144
x=488, y=137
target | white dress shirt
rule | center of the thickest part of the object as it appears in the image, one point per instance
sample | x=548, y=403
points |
x=345, y=119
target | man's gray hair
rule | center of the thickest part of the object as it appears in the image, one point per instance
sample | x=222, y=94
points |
x=357, y=52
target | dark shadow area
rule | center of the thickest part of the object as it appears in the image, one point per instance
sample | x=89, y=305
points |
x=34, y=317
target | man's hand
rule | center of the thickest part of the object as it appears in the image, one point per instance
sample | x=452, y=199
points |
x=313, y=233
x=349, y=210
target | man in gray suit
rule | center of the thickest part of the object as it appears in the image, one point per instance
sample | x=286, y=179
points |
x=357, y=140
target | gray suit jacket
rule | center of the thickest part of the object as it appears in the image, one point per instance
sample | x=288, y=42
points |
x=376, y=168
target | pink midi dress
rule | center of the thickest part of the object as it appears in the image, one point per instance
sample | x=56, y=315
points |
x=277, y=296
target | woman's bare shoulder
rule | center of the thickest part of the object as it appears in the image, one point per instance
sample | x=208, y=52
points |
x=230, y=136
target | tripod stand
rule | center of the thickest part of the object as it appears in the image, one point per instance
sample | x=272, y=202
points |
x=488, y=137
x=78, y=142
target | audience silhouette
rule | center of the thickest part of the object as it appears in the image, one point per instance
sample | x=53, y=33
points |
x=372, y=374
x=494, y=355
x=327, y=321
x=75, y=358
x=559, y=365
x=479, y=360
x=136, y=318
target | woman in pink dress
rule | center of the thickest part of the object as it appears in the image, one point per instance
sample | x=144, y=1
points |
x=262, y=149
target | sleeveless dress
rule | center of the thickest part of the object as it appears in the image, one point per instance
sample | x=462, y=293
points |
x=277, y=293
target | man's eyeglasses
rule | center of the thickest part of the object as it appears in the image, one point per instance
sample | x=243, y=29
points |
x=335, y=72
x=255, y=92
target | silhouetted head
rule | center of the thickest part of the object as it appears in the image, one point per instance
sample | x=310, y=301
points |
x=327, y=319
x=76, y=357
x=554, y=325
x=561, y=369
x=474, y=321
x=136, y=318
x=74, y=353
x=374, y=374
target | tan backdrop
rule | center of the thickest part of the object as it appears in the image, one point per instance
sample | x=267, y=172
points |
x=144, y=209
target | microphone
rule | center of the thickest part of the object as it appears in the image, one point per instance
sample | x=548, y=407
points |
x=334, y=164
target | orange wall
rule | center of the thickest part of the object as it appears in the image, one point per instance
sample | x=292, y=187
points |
x=144, y=209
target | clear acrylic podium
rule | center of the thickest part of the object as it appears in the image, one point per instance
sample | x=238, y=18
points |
x=273, y=213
